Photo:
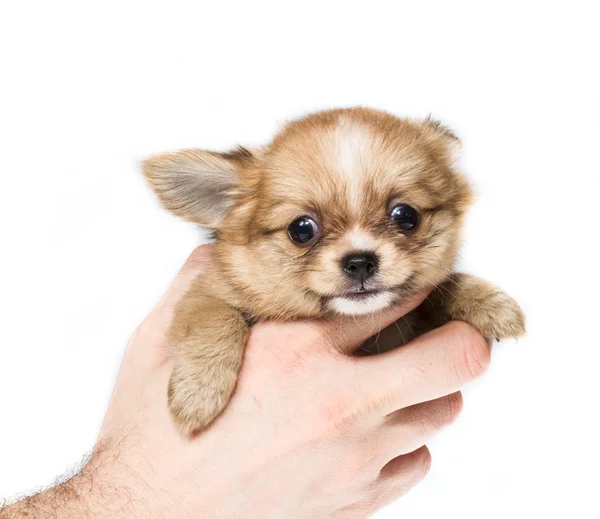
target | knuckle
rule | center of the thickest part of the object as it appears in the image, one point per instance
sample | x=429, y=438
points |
x=313, y=335
x=257, y=338
x=371, y=501
x=303, y=351
x=475, y=348
x=338, y=415
x=262, y=332
x=330, y=334
x=454, y=403
x=263, y=349
x=422, y=464
x=199, y=258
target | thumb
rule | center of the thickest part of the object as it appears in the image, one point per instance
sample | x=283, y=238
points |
x=197, y=262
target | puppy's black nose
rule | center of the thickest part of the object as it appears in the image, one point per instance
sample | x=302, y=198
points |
x=361, y=265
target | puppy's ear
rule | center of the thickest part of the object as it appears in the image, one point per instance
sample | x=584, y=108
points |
x=198, y=186
x=443, y=136
x=449, y=146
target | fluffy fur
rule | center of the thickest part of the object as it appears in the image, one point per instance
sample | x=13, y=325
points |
x=345, y=169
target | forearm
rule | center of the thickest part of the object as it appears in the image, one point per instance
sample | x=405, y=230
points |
x=103, y=488
x=66, y=500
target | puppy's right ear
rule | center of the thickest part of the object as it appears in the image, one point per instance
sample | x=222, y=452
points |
x=198, y=186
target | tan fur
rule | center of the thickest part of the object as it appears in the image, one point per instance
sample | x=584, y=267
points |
x=210, y=336
x=346, y=169
x=460, y=297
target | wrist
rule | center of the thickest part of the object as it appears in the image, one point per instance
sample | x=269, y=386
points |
x=107, y=486
x=103, y=488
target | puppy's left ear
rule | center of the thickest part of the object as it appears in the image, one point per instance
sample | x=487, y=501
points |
x=449, y=146
x=442, y=136
x=198, y=186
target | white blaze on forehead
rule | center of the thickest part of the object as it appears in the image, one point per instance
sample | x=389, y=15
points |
x=360, y=240
x=345, y=305
x=353, y=148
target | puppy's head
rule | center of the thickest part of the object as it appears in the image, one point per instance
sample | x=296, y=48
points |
x=346, y=210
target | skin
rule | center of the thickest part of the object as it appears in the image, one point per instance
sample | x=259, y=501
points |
x=313, y=429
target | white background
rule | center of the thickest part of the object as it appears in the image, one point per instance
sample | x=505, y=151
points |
x=89, y=89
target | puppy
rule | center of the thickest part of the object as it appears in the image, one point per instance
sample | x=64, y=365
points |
x=346, y=211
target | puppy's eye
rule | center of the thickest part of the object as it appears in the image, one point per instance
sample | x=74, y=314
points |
x=303, y=230
x=405, y=217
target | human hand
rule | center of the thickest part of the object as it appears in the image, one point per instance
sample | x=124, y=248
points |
x=311, y=431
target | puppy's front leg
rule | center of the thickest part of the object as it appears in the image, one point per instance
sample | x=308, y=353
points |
x=460, y=297
x=492, y=312
x=209, y=337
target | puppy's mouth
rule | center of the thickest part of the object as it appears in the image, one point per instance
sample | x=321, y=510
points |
x=364, y=301
x=361, y=295
x=400, y=290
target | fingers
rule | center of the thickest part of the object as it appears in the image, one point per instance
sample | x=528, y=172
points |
x=413, y=466
x=401, y=474
x=438, y=363
x=349, y=332
x=394, y=480
x=408, y=429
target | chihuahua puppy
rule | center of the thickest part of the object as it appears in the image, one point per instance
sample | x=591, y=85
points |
x=346, y=211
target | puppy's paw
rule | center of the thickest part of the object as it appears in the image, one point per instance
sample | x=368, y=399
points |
x=485, y=307
x=196, y=399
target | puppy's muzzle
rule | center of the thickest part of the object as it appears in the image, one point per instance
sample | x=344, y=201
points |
x=360, y=266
